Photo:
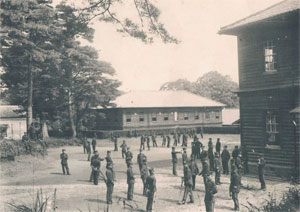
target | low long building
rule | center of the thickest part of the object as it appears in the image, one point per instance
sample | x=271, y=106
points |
x=161, y=109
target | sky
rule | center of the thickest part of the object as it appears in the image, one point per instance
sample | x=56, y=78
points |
x=195, y=23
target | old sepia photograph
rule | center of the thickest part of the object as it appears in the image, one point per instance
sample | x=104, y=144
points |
x=149, y=105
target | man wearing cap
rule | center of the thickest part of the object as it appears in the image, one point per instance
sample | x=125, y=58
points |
x=211, y=155
x=195, y=170
x=184, y=156
x=218, y=146
x=187, y=185
x=140, y=159
x=64, y=162
x=130, y=181
x=124, y=148
x=210, y=191
x=198, y=146
x=225, y=159
x=234, y=188
x=217, y=166
x=144, y=175
x=261, y=171
x=129, y=156
x=174, y=160
x=109, y=183
x=236, y=152
x=151, y=189
x=108, y=159
x=96, y=164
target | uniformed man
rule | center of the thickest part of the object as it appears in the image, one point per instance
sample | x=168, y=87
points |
x=164, y=141
x=83, y=139
x=174, y=160
x=218, y=146
x=144, y=175
x=211, y=157
x=124, y=148
x=130, y=181
x=225, y=159
x=184, y=156
x=96, y=164
x=151, y=189
x=261, y=171
x=184, y=140
x=188, y=184
x=154, y=140
x=64, y=162
x=175, y=139
x=109, y=160
x=115, y=139
x=169, y=141
x=203, y=154
x=140, y=159
x=236, y=152
x=94, y=143
x=148, y=142
x=88, y=149
x=210, y=143
x=109, y=183
x=217, y=166
x=142, y=145
x=25, y=141
x=129, y=156
x=234, y=188
x=198, y=147
x=210, y=191
x=205, y=170
x=195, y=171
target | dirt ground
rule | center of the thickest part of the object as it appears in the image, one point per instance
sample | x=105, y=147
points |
x=21, y=179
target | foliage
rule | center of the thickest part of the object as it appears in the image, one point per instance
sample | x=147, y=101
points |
x=212, y=85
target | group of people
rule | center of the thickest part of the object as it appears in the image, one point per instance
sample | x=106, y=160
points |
x=28, y=141
x=212, y=161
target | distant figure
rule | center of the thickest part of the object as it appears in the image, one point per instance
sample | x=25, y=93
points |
x=211, y=157
x=225, y=159
x=218, y=146
x=236, y=152
x=154, y=140
x=169, y=141
x=140, y=159
x=109, y=161
x=130, y=181
x=151, y=189
x=174, y=160
x=188, y=184
x=88, y=149
x=129, y=156
x=83, y=139
x=94, y=143
x=203, y=154
x=210, y=143
x=64, y=162
x=142, y=145
x=96, y=164
x=109, y=183
x=144, y=175
x=210, y=191
x=195, y=171
x=184, y=156
x=115, y=139
x=25, y=141
x=124, y=148
x=234, y=189
x=217, y=167
x=261, y=171
x=198, y=146
x=164, y=141
x=205, y=170
x=148, y=142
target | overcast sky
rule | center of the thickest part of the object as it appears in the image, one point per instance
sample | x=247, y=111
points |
x=195, y=23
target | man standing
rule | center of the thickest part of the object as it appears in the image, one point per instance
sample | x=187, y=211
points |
x=124, y=148
x=88, y=149
x=210, y=191
x=64, y=162
x=83, y=138
x=109, y=160
x=144, y=175
x=151, y=189
x=94, y=143
x=109, y=183
x=198, y=146
x=211, y=157
x=115, y=139
x=140, y=159
x=130, y=181
x=164, y=141
x=205, y=170
x=142, y=145
x=218, y=146
x=234, y=189
x=96, y=164
x=225, y=159
x=154, y=140
x=25, y=141
x=187, y=185
x=129, y=156
x=236, y=152
x=148, y=142
x=194, y=170
x=217, y=166
x=174, y=160
x=184, y=156
x=203, y=154
x=169, y=140
x=261, y=171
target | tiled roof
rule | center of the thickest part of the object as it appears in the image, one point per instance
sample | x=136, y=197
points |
x=277, y=9
x=10, y=111
x=159, y=99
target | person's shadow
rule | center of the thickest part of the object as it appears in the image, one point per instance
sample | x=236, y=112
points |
x=57, y=173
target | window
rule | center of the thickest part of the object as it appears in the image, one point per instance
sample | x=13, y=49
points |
x=196, y=116
x=272, y=127
x=270, y=56
x=166, y=117
x=207, y=115
x=217, y=115
x=128, y=119
x=154, y=118
x=141, y=118
x=186, y=117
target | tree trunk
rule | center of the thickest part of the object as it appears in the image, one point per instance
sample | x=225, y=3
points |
x=71, y=114
x=29, y=97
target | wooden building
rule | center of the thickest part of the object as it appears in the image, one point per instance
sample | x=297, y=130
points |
x=161, y=109
x=268, y=61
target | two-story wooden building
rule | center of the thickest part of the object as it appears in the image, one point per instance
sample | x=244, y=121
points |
x=269, y=79
x=161, y=109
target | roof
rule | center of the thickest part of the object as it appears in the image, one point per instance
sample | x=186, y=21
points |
x=275, y=10
x=10, y=111
x=160, y=99
x=229, y=116
x=295, y=110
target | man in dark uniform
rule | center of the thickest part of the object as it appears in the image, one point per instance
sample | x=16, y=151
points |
x=203, y=154
x=198, y=146
x=184, y=156
x=211, y=157
x=154, y=140
x=184, y=140
x=174, y=160
x=144, y=175
x=124, y=148
x=109, y=183
x=140, y=159
x=130, y=181
x=83, y=139
x=142, y=145
x=94, y=143
x=88, y=149
x=96, y=164
x=175, y=139
x=115, y=139
x=234, y=189
x=148, y=142
x=188, y=184
x=205, y=170
x=236, y=152
x=164, y=141
x=210, y=191
x=64, y=162
x=195, y=171
x=169, y=140
x=109, y=160
x=217, y=166
x=210, y=143
x=261, y=171
x=225, y=159
x=151, y=189
x=129, y=156
x=218, y=146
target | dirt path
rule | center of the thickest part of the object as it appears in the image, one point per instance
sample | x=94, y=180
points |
x=21, y=179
